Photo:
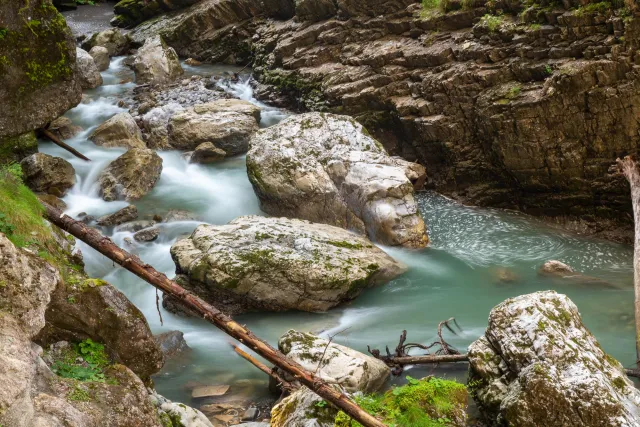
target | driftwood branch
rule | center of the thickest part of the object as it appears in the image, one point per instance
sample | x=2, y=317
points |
x=105, y=246
x=282, y=383
x=59, y=143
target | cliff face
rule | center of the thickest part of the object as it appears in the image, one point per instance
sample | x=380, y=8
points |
x=37, y=67
x=506, y=103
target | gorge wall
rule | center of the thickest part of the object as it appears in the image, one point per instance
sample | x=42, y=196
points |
x=507, y=103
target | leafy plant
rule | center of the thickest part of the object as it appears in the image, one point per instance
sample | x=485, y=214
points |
x=83, y=362
x=5, y=226
x=492, y=22
x=548, y=69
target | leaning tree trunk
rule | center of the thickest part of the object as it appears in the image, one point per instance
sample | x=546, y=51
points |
x=629, y=168
x=105, y=246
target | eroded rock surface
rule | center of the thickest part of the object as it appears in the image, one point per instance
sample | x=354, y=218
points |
x=48, y=174
x=275, y=264
x=326, y=168
x=336, y=364
x=156, y=63
x=537, y=364
x=131, y=175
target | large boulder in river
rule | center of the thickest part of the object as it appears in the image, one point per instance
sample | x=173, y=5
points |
x=538, y=365
x=131, y=175
x=156, y=63
x=326, y=168
x=352, y=370
x=63, y=128
x=275, y=264
x=47, y=174
x=227, y=124
x=38, y=80
x=100, y=55
x=88, y=72
x=112, y=39
x=120, y=130
x=92, y=308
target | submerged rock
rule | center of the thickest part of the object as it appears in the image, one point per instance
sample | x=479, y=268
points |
x=335, y=363
x=156, y=63
x=556, y=268
x=174, y=215
x=100, y=55
x=48, y=174
x=116, y=42
x=63, y=128
x=326, y=168
x=120, y=130
x=120, y=217
x=147, y=234
x=131, y=175
x=227, y=124
x=88, y=72
x=537, y=364
x=257, y=263
x=135, y=226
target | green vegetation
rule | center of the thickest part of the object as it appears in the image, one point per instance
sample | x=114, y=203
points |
x=84, y=361
x=430, y=402
x=21, y=212
x=79, y=394
x=345, y=244
x=492, y=22
x=602, y=7
x=548, y=69
x=513, y=92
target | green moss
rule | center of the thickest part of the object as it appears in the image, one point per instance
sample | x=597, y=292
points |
x=492, y=22
x=429, y=402
x=15, y=148
x=603, y=7
x=344, y=244
x=619, y=383
x=79, y=394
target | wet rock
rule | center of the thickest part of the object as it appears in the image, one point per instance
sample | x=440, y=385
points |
x=120, y=217
x=174, y=215
x=100, y=55
x=537, y=364
x=192, y=62
x=206, y=153
x=556, y=268
x=131, y=175
x=352, y=370
x=155, y=123
x=257, y=263
x=227, y=124
x=147, y=235
x=116, y=42
x=48, y=174
x=38, y=77
x=88, y=72
x=156, y=63
x=120, y=130
x=171, y=343
x=93, y=308
x=63, y=128
x=325, y=168
x=135, y=226
x=177, y=414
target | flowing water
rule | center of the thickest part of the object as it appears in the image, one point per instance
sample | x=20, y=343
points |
x=458, y=275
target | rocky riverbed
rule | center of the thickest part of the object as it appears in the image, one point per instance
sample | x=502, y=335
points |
x=187, y=165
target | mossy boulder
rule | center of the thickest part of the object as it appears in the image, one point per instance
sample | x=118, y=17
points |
x=15, y=148
x=327, y=168
x=37, y=66
x=131, y=175
x=537, y=364
x=256, y=263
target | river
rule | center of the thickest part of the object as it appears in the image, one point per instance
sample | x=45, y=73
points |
x=458, y=275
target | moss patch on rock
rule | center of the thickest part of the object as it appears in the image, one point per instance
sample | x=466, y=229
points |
x=429, y=402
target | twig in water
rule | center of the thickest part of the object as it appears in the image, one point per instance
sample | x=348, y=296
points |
x=158, y=307
x=327, y=346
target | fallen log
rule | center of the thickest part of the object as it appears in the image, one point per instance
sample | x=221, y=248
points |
x=282, y=383
x=59, y=143
x=225, y=323
x=629, y=168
